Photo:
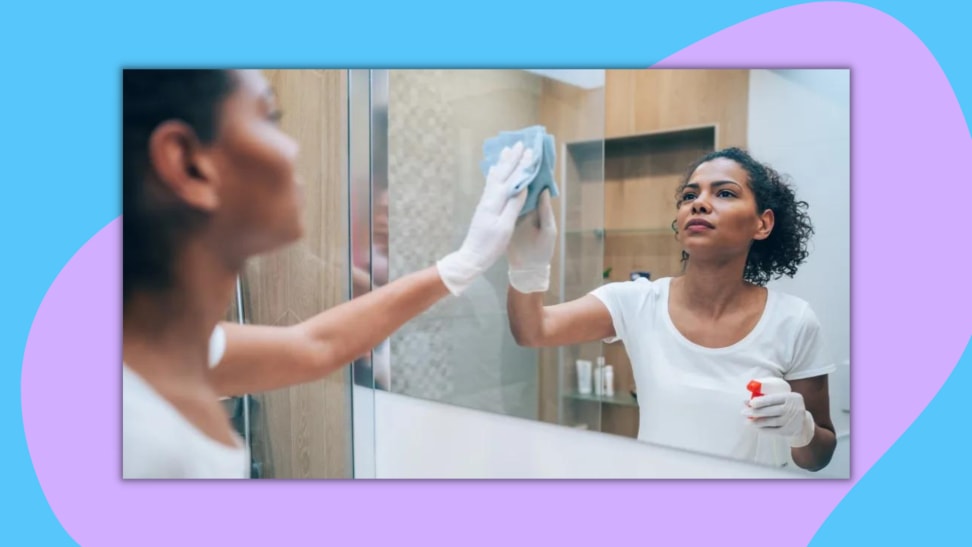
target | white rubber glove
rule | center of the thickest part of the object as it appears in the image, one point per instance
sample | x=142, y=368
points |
x=492, y=223
x=532, y=248
x=782, y=414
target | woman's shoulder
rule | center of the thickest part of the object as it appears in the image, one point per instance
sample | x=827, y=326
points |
x=793, y=310
x=637, y=296
x=642, y=286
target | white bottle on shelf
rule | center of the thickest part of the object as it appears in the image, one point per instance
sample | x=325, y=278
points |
x=599, y=377
x=584, y=377
x=608, y=381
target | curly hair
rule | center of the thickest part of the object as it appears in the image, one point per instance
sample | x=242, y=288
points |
x=785, y=249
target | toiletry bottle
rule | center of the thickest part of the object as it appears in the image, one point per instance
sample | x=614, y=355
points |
x=599, y=377
x=584, y=377
x=608, y=381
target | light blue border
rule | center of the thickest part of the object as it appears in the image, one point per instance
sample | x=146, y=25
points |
x=61, y=148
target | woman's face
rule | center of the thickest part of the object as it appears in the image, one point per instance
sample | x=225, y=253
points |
x=717, y=214
x=255, y=164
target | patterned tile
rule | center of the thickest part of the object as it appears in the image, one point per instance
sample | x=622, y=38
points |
x=457, y=351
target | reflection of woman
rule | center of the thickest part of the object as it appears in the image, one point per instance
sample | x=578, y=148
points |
x=697, y=339
x=209, y=180
x=363, y=256
x=369, y=264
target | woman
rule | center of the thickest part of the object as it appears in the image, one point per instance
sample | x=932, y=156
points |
x=209, y=180
x=697, y=339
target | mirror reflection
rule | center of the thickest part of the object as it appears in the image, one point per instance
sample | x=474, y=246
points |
x=688, y=284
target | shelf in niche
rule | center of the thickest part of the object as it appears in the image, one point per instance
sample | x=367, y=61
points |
x=619, y=399
x=637, y=144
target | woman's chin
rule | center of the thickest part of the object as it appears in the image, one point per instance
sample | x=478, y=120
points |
x=296, y=234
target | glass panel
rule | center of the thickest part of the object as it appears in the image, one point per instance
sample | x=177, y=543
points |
x=461, y=351
x=366, y=371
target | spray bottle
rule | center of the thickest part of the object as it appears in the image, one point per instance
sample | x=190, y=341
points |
x=771, y=386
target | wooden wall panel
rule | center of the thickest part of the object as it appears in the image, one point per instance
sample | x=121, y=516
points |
x=647, y=101
x=305, y=431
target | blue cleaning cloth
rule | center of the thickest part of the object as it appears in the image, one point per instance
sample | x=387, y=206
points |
x=540, y=174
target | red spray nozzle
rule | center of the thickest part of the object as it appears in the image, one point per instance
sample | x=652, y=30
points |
x=767, y=386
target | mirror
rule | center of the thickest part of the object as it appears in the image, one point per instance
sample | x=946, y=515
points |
x=624, y=142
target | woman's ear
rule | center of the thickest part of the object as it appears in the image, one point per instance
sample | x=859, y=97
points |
x=766, y=221
x=182, y=165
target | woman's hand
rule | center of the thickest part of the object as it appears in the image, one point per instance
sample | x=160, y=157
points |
x=492, y=223
x=532, y=248
x=782, y=414
x=532, y=324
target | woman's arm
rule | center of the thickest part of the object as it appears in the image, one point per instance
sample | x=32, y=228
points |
x=816, y=455
x=585, y=319
x=262, y=358
x=259, y=358
x=534, y=325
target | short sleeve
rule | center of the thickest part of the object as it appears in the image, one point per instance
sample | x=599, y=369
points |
x=619, y=297
x=217, y=346
x=809, y=356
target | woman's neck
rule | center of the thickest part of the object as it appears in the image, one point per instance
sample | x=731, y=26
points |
x=711, y=288
x=166, y=333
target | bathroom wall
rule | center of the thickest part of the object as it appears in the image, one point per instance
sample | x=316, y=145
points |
x=647, y=101
x=460, y=351
x=799, y=122
x=585, y=79
x=303, y=432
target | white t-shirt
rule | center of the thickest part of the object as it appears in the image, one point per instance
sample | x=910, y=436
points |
x=159, y=443
x=691, y=396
